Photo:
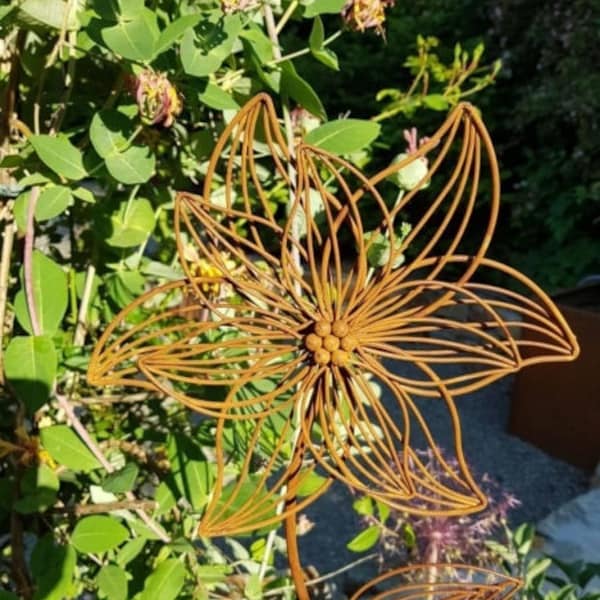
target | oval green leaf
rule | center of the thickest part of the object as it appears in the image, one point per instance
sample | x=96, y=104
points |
x=300, y=90
x=165, y=582
x=135, y=38
x=67, y=449
x=53, y=201
x=109, y=132
x=131, y=224
x=343, y=136
x=214, y=97
x=174, y=30
x=365, y=539
x=30, y=367
x=135, y=165
x=98, y=533
x=50, y=293
x=60, y=155
x=122, y=480
x=112, y=582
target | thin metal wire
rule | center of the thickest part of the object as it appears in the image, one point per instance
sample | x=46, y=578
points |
x=439, y=582
x=309, y=326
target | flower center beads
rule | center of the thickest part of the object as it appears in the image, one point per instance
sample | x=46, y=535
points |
x=331, y=343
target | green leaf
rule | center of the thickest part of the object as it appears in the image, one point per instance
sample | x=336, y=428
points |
x=165, y=498
x=135, y=165
x=383, y=510
x=193, y=474
x=84, y=195
x=50, y=294
x=112, y=583
x=133, y=38
x=39, y=487
x=60, y=155
x=132, y=223
x=253, y=587
x=535, y=568
x=30, y=367
x=317, y=35
x=259, y=43
x=121, y=481
x=327, y=57
x=436, y=102
x=174, y=30
x=203, y=50
x=50, y=13
x=410, y=537
x=165, y=582
x=343, y=136
x=124, y=286
x=309, y=483
x=130, y=550
x=365, y=539
x=363, y=506
x=53, y=201
x=110, y=131
x=67, y=449
x=214, y=97
x=300, y=90
x=53, y=569
x=98, y=533
x=320, y=7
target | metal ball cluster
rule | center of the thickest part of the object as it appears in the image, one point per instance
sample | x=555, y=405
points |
x=331, y=342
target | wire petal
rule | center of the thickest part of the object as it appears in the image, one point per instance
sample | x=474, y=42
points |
x=369, y=441
x=439, y=582
x=263, y=475
x=208, y=365
x=252, y=152
x=483, y=330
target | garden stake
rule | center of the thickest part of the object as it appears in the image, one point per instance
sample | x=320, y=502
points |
x=310, y=338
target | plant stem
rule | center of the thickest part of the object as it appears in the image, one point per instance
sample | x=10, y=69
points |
x=65, y=405
x=286, y=16
x=80, y=329
x=7, y=247
x=28, y=261
x=322, y=578
x=104, y=507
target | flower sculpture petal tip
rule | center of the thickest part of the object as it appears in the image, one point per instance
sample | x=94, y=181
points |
x=440, y=582
x=302, y=318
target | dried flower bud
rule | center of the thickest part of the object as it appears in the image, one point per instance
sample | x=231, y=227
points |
x=366, y=14
x=157, y=99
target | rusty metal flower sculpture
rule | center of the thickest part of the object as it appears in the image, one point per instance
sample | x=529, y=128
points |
x=285, y=342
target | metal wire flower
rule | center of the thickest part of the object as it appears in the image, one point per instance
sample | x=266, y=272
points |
x=287, y=362
x=443, y=582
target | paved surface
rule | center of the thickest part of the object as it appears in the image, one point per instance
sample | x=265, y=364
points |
x=541, y=482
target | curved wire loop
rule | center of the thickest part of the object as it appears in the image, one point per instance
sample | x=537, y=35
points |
x=439, y=582
x=302, y=316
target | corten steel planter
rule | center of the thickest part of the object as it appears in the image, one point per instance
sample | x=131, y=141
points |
x=319, y=330
x=558, y=410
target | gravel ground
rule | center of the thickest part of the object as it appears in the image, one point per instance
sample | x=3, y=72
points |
x=541, y=482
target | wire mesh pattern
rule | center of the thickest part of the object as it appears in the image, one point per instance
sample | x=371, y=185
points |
x=284, y=346
x=439, y=582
